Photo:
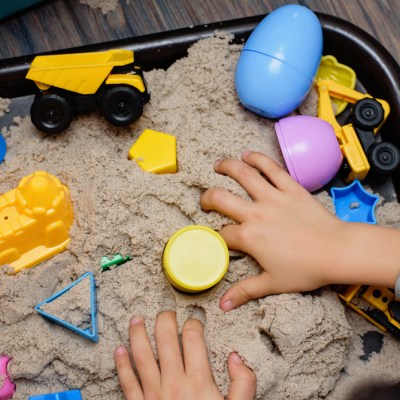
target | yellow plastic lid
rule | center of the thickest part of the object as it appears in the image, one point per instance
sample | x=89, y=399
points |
x=195, y=258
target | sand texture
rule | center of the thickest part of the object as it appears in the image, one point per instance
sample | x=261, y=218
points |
x=4, y=106
x=105, y=6
x=301, y=346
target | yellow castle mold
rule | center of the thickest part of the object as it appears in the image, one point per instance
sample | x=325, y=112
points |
x=35, y=219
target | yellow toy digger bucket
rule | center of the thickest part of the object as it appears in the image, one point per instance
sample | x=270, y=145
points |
x=330, y=69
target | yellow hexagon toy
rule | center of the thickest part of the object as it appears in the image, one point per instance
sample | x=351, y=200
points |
x=155, y=152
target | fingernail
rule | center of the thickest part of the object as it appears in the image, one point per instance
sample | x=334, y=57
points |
x=217, y=163
x=120, y=350
x=227, y=305
x=236, y=358
x=136, y=320
x=246, y=153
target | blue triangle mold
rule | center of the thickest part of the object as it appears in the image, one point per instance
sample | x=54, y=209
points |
x=88, y=333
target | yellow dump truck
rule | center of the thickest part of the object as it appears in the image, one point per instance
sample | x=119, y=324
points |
x=83, y=82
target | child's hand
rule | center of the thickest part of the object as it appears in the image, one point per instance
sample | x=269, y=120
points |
x=174, y=377
x=291, y=235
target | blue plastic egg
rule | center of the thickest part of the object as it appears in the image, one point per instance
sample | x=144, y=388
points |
x=278, y=63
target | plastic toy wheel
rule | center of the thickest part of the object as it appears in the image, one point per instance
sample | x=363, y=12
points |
x=394, y=309
x=121, y=105
x=384, y=158
x=51, y=113
x=368, y=114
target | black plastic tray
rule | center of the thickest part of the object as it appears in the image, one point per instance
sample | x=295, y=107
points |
x=377, y=71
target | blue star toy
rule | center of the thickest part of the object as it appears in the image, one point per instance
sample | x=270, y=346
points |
x=354, y=204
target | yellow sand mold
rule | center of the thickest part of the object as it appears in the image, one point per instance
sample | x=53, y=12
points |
x=35, y=219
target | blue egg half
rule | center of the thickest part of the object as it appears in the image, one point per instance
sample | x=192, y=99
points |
x=278, y=63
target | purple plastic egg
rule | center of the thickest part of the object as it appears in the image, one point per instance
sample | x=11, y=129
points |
x=310, y=149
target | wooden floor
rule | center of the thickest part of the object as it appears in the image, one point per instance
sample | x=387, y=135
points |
x=60, y=24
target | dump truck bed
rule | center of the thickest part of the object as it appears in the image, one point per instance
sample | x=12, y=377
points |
x=81, y=73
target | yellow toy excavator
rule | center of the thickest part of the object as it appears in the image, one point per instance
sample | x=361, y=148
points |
x=376, y=304
x=82, y=82
x=365, y=154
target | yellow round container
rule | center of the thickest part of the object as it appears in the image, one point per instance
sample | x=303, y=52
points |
x=195, y=258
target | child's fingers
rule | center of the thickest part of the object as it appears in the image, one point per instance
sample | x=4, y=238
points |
x=248, y=289
x=195, y=351
x=234, y=237
x=226, y=203
x=143, y=356
x=169, y=352
x=270, y=169
x=243, y=379
x=127, y=378
x=248, y=177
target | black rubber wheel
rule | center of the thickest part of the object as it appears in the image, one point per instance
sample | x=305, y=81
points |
x=394, y=309
x=121, y=105
x=368, y=114
x=384, y=158
x=51, y=113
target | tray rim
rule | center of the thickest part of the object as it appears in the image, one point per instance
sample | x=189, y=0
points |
x=148, y=46
x=352, y=46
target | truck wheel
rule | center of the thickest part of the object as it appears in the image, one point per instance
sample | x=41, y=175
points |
x=121, y=105
x=384, y=158
x=394, y=309
x=51, y=113
x=368, y=114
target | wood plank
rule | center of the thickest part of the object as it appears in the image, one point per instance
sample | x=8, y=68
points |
x=60, y=24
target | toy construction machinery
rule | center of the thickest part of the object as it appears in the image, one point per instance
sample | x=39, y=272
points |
x=365, y=154
x=73, y=83
x=377, y=304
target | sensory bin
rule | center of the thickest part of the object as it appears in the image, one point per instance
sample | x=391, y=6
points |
x=301, y=346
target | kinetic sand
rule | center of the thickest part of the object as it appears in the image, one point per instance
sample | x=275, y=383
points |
x=301, y=346
x=73, y=306
x=105, y=6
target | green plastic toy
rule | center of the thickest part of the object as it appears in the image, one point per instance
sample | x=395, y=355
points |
x=118, y=259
